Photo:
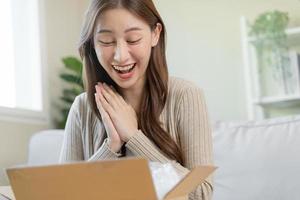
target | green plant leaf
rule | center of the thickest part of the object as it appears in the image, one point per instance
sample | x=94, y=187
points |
x=72, y=92
x=65, y=110
x=67, y=99
x=72, y=78
x=270, y=24
x=73, y=64
x=61, y=124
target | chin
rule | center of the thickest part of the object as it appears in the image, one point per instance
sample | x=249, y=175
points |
x=126, y=84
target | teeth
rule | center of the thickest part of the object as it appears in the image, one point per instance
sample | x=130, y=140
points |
x=123, y=68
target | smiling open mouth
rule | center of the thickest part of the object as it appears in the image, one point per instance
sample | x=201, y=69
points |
x=124, y=69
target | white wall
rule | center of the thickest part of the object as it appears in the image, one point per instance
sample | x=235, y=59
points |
x=14, y=138
x=204, y=46
x=63, y=24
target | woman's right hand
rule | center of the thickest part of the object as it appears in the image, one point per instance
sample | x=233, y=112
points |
x=114, y=141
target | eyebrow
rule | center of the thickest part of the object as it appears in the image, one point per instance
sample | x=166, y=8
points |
x=126, y=31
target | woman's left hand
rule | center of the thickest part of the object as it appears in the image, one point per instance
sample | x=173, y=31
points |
x=121, y=113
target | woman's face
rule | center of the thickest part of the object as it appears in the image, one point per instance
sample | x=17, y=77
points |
x=123, y=42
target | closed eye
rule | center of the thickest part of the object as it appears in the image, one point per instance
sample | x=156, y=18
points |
x=134, y=41
x=106, y=43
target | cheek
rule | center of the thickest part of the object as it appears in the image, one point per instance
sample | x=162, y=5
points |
x=103, y=55
x=142, y=52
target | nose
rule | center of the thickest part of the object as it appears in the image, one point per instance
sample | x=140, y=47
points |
x=121, y=54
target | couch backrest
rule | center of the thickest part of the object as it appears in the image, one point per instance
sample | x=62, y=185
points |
x=257, y=159
x=45, y=147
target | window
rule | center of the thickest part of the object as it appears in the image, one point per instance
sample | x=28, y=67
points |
x=20, y=68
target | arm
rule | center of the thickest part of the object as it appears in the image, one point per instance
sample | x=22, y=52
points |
x=73, y=145
x=72, y=149
x=195, y=136
x=195, y=140
x=141, y=146
x=104, y=153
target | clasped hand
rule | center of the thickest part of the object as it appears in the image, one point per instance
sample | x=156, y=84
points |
x=119, y=117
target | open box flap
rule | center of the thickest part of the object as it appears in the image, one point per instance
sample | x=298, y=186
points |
x=190, y=181
x=77, y=181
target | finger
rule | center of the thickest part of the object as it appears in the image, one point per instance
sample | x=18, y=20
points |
x=111, y=91
x=105, y=105
x=108, y=89
x=120, y=98
x=98, y=90
x=98, y=103
x=104, y=115
x=110, y=96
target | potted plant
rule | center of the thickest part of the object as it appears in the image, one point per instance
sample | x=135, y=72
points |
x=270, y=42
x=73, y=77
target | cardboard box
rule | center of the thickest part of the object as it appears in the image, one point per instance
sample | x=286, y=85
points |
x=125, y=179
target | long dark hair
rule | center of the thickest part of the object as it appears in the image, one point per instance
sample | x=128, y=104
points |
x=155, y=94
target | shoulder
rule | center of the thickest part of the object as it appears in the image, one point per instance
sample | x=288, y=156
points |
x=81, y=98
x=180, y=84
x=80, y=101
x=81, y=106
x=180, y=88
x=82, y=112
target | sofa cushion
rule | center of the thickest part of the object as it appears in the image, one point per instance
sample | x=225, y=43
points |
x=45, y=147
x=257, y=159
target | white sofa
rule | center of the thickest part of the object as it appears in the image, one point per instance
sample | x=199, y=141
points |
x=257, y=160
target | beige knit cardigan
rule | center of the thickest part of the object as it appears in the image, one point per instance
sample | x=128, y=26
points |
x=184, y=117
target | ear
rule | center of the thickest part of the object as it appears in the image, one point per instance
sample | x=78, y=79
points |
x=156, y=34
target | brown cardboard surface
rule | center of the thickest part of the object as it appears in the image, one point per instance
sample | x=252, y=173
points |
x=6, y=191
x=180, y=198
x=125, y=179
x=190, y=182
x=115, y=180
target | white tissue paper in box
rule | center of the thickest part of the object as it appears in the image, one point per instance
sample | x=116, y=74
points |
x=164, y=177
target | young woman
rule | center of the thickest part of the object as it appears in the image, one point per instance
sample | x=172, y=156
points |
x=131, y=106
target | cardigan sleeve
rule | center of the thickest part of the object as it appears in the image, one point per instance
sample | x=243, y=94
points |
x=195, y=140
x=195, y=137
x=73, y=144
x=141, y=146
